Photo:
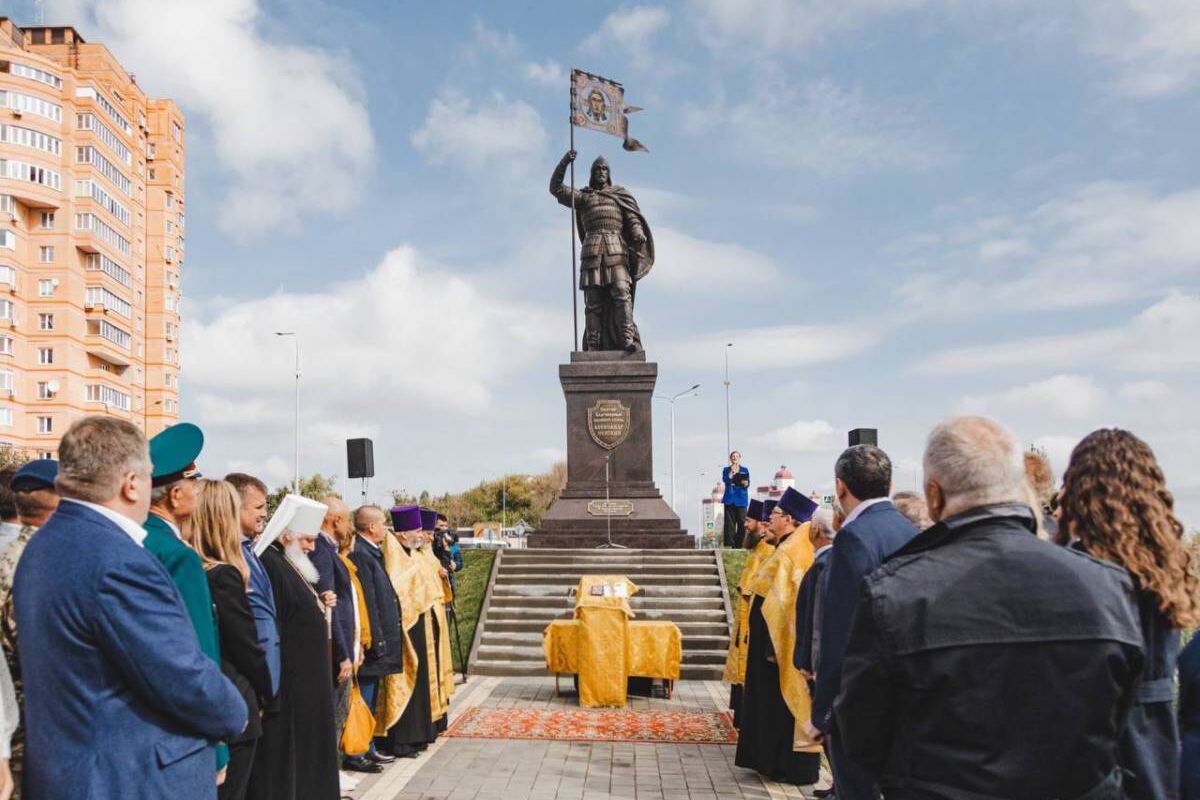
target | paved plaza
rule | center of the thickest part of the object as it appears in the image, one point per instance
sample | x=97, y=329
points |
x=512, y=769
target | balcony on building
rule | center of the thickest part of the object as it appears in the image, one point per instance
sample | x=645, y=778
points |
x=108, y=342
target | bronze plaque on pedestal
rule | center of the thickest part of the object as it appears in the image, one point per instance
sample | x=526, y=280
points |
x=608, y=423
x=610, y=508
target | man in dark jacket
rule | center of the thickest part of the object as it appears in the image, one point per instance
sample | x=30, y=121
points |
x=334, y=586
x=873, y=529
x=984, y=662
x=385, y=655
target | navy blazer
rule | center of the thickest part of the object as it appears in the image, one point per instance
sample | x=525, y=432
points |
x=262, y=606
x=1189, y=717
x=807, y=607
x=119, y=699
x=336, y=578
x=859, y=549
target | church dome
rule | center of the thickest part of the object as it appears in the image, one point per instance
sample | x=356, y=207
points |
x=784, y=474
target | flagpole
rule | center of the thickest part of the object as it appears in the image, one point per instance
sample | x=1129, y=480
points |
x=574, y=291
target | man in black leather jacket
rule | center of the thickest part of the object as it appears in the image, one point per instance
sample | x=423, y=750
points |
x=985, y=663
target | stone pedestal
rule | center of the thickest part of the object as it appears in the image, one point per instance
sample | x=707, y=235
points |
x=608, y=424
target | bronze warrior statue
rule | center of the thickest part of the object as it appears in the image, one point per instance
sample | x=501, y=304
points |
x=618, y=251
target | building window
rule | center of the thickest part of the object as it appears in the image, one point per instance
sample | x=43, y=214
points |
x=6, y=310
x=99, y=296
x=106, y=232
x=151, y=150
x=45, y=424
x=35, y=74
x=8, y=239
x=177, y=132
x=107, y=107
x=46, y=254
x=28, y=137
x=6, y=204
x=90, y=155
x=6, y=416
x=100, y=393
x=45, y=322
x=24, y=171
x=105, y=329
x=101, y=262
x=46, y=287
x=169, y=200
x=47, y=219
x=89, y=122
x=8, y=275
x=170, y=406
x=7, y=381
x=44, y=392
x=151, y=174
x=29, y=104
x=92, y=189
x=6, y=345
x=45, y=355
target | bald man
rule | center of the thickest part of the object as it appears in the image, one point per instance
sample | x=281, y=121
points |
x=334, y=588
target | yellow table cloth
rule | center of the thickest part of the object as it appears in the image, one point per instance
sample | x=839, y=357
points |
x=650, y=650
x=585, y=599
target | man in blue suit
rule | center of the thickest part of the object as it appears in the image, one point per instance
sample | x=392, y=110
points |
x=873, y=529
x=119, y=699
x=260, y=594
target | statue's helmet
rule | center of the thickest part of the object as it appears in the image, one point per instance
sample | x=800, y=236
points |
x=601, y=161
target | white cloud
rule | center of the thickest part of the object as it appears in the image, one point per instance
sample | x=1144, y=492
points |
x=1144, y=390
x=469, y=133
x=631, y=29
x=1074, y=251
x=774, y=347
x=819, y=126
x=408, y=334
x=1159, y=339
x=549, y=74
x=684, y=262
x=288, y=122
x=1066, y=396
x=802, y=436
x=1057, y=448
x=1154, y=45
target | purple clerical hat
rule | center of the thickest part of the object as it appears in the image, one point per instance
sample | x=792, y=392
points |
x=428, y=519
x=796, y=505
x=406, y=518
x=767, y=507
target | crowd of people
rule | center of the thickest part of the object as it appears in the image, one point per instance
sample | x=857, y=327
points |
x=993, y=637
x=163, y=639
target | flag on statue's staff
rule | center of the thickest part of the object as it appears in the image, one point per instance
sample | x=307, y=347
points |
x=598, y=104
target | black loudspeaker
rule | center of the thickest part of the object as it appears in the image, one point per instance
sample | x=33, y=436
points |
x=360, y=458
x=864, y=436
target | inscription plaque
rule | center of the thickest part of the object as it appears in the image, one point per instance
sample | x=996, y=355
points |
x=608, y=423
x=610, y=508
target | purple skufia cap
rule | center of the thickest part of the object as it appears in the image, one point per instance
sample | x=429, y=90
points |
x=797, y=506
x=754, y=510
x=428, y=519
x=406, y=518
x=767, y=507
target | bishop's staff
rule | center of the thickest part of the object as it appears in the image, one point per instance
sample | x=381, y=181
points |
x=599, y=104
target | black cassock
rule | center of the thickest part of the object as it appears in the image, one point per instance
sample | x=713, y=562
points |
x=415, y=726
x=765, y=737
x=297, y=756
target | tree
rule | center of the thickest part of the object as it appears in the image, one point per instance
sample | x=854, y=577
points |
x=314, y=487
x=516, y=497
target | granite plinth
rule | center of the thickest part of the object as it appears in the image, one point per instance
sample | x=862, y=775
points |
x=621, y=471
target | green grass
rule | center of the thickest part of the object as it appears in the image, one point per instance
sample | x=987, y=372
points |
x=735, y=560
x=470, y=586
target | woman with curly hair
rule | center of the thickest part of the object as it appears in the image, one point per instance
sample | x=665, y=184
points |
x=1116, y=504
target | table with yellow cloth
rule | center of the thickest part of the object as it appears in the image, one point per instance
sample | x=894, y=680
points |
x=604, y=647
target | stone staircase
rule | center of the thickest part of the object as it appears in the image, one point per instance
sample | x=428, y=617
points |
x=529, y=588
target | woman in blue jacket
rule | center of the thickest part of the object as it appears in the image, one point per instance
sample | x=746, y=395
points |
x=737, y=497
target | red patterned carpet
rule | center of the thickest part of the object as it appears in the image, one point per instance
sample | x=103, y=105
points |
x=576, y=724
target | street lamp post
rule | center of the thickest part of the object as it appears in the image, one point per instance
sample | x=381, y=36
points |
x=728, y=436
x=296, y=339
x=671, y=399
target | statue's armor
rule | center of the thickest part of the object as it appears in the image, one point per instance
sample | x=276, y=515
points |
x=603, y=248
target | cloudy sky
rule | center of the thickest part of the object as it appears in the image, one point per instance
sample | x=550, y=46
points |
x=895, y=209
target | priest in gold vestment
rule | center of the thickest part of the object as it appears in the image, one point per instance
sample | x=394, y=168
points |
x=759, y=548
x=775, y=698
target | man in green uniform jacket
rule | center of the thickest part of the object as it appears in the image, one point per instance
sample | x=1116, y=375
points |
x=172, y=499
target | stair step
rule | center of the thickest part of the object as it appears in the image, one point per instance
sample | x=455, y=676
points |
x=483, y=666
x=568, y=581
x=512, y=613
x=630, y=570
x=687, y=628
x=534, y=639
x=561, y=601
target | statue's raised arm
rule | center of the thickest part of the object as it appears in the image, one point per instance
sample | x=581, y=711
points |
x=557, y=188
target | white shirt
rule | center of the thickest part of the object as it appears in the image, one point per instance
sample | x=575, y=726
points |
x=863, y=506
x=9, y=531
x=131, y=528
